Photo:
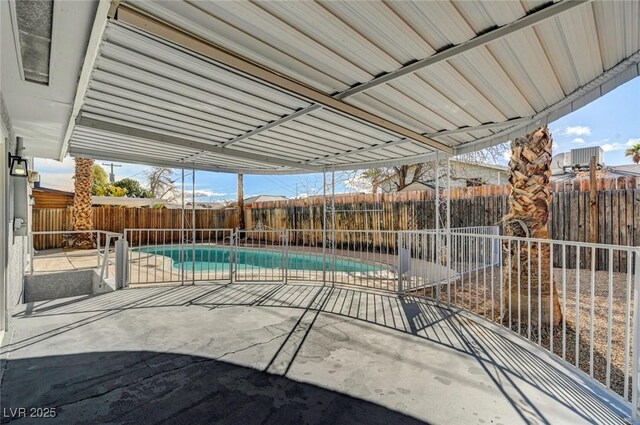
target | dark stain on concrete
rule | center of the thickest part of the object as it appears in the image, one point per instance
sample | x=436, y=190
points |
x=154, y=388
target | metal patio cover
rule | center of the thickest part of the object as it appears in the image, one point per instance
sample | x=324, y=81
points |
x=285, y=87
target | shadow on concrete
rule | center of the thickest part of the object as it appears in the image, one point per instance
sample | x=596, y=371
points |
x=507, y=361
x=142, y=387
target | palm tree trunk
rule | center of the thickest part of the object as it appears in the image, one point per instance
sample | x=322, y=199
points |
x=82, y=213
x=240, y=201
x=529, y=210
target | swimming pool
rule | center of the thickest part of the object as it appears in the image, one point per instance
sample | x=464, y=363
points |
x=216, y=258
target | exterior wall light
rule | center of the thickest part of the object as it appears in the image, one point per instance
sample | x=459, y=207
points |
x=18, y=166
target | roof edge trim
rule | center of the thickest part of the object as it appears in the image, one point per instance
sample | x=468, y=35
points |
x=93, y=47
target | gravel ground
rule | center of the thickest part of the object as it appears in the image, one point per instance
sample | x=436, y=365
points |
x=474, y=293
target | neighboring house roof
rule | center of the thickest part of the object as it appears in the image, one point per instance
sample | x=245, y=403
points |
x=126, y=202
x=50, y=190
x=45, y=197
x=418, y=186
x=263, y=198
x=490, y=166
x=220, y=205
x=495, y=167
x=628, y=169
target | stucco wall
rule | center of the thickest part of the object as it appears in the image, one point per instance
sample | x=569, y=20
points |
x=16, y=247
x=17, y=251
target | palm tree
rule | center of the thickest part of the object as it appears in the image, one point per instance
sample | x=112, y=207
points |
x=82, y=213
x=634, y=153
x=240, y=201
x=529, y=211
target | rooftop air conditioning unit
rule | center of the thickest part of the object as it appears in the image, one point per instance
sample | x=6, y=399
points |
x=581, y=158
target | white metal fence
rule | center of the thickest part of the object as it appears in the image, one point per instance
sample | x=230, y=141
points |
x=589, y=323
x=64, y=260
x=178, y=255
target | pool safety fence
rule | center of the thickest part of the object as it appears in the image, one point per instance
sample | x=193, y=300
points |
x=572, y=298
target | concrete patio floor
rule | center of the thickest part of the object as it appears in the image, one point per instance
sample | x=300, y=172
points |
x=283, y=354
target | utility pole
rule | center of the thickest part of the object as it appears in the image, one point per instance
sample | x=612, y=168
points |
x=112, y=175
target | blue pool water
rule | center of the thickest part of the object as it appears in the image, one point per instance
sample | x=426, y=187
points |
x=216, y=258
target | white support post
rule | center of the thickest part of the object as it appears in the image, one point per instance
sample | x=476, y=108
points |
x=193, y=227
x=436, y=256
x=182, y=217
x=448, y=241
x=442, y=255
x=122, y=259
x=333, y=224
x=324, y=226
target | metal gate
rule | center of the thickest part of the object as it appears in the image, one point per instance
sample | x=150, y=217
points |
x=179, y=256
x=260, y=256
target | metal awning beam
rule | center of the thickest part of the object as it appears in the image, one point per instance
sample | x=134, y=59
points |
x=141, y=159
x=478, y=41
x=178, y=141
x=443, y=55
x=167, y=32
x=486, y=126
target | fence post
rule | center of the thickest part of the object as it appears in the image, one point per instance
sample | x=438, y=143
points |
x=32, y=254
x=98, y=247
x=122, y=257
x=285, y=259
x=232, y=241
x=635, y=384
x=399, y=265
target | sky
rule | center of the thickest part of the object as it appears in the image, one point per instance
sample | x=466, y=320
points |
x=612, y=122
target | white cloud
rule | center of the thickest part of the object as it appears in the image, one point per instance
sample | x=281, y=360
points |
x=507, y=155
x=579, y=140
x=632, y=142
x=578, y=130
x=608, y=147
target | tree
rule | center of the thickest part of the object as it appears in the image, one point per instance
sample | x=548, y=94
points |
x=133, y=188
x=100, y=178
x=110, y=190
x=634, y=153
x=529, y=211
x=101, y=185
x=82, y=213
x=398, y=177
x=402, y=176
x=161, y=183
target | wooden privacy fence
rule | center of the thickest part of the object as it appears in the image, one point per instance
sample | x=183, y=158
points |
x=618, y=206
x=116, y=219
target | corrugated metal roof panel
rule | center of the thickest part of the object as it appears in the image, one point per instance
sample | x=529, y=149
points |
x=532, y=71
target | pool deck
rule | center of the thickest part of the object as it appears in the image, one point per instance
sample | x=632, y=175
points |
x=284, y=354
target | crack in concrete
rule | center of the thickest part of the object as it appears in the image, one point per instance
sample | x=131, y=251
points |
x=254, y=345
